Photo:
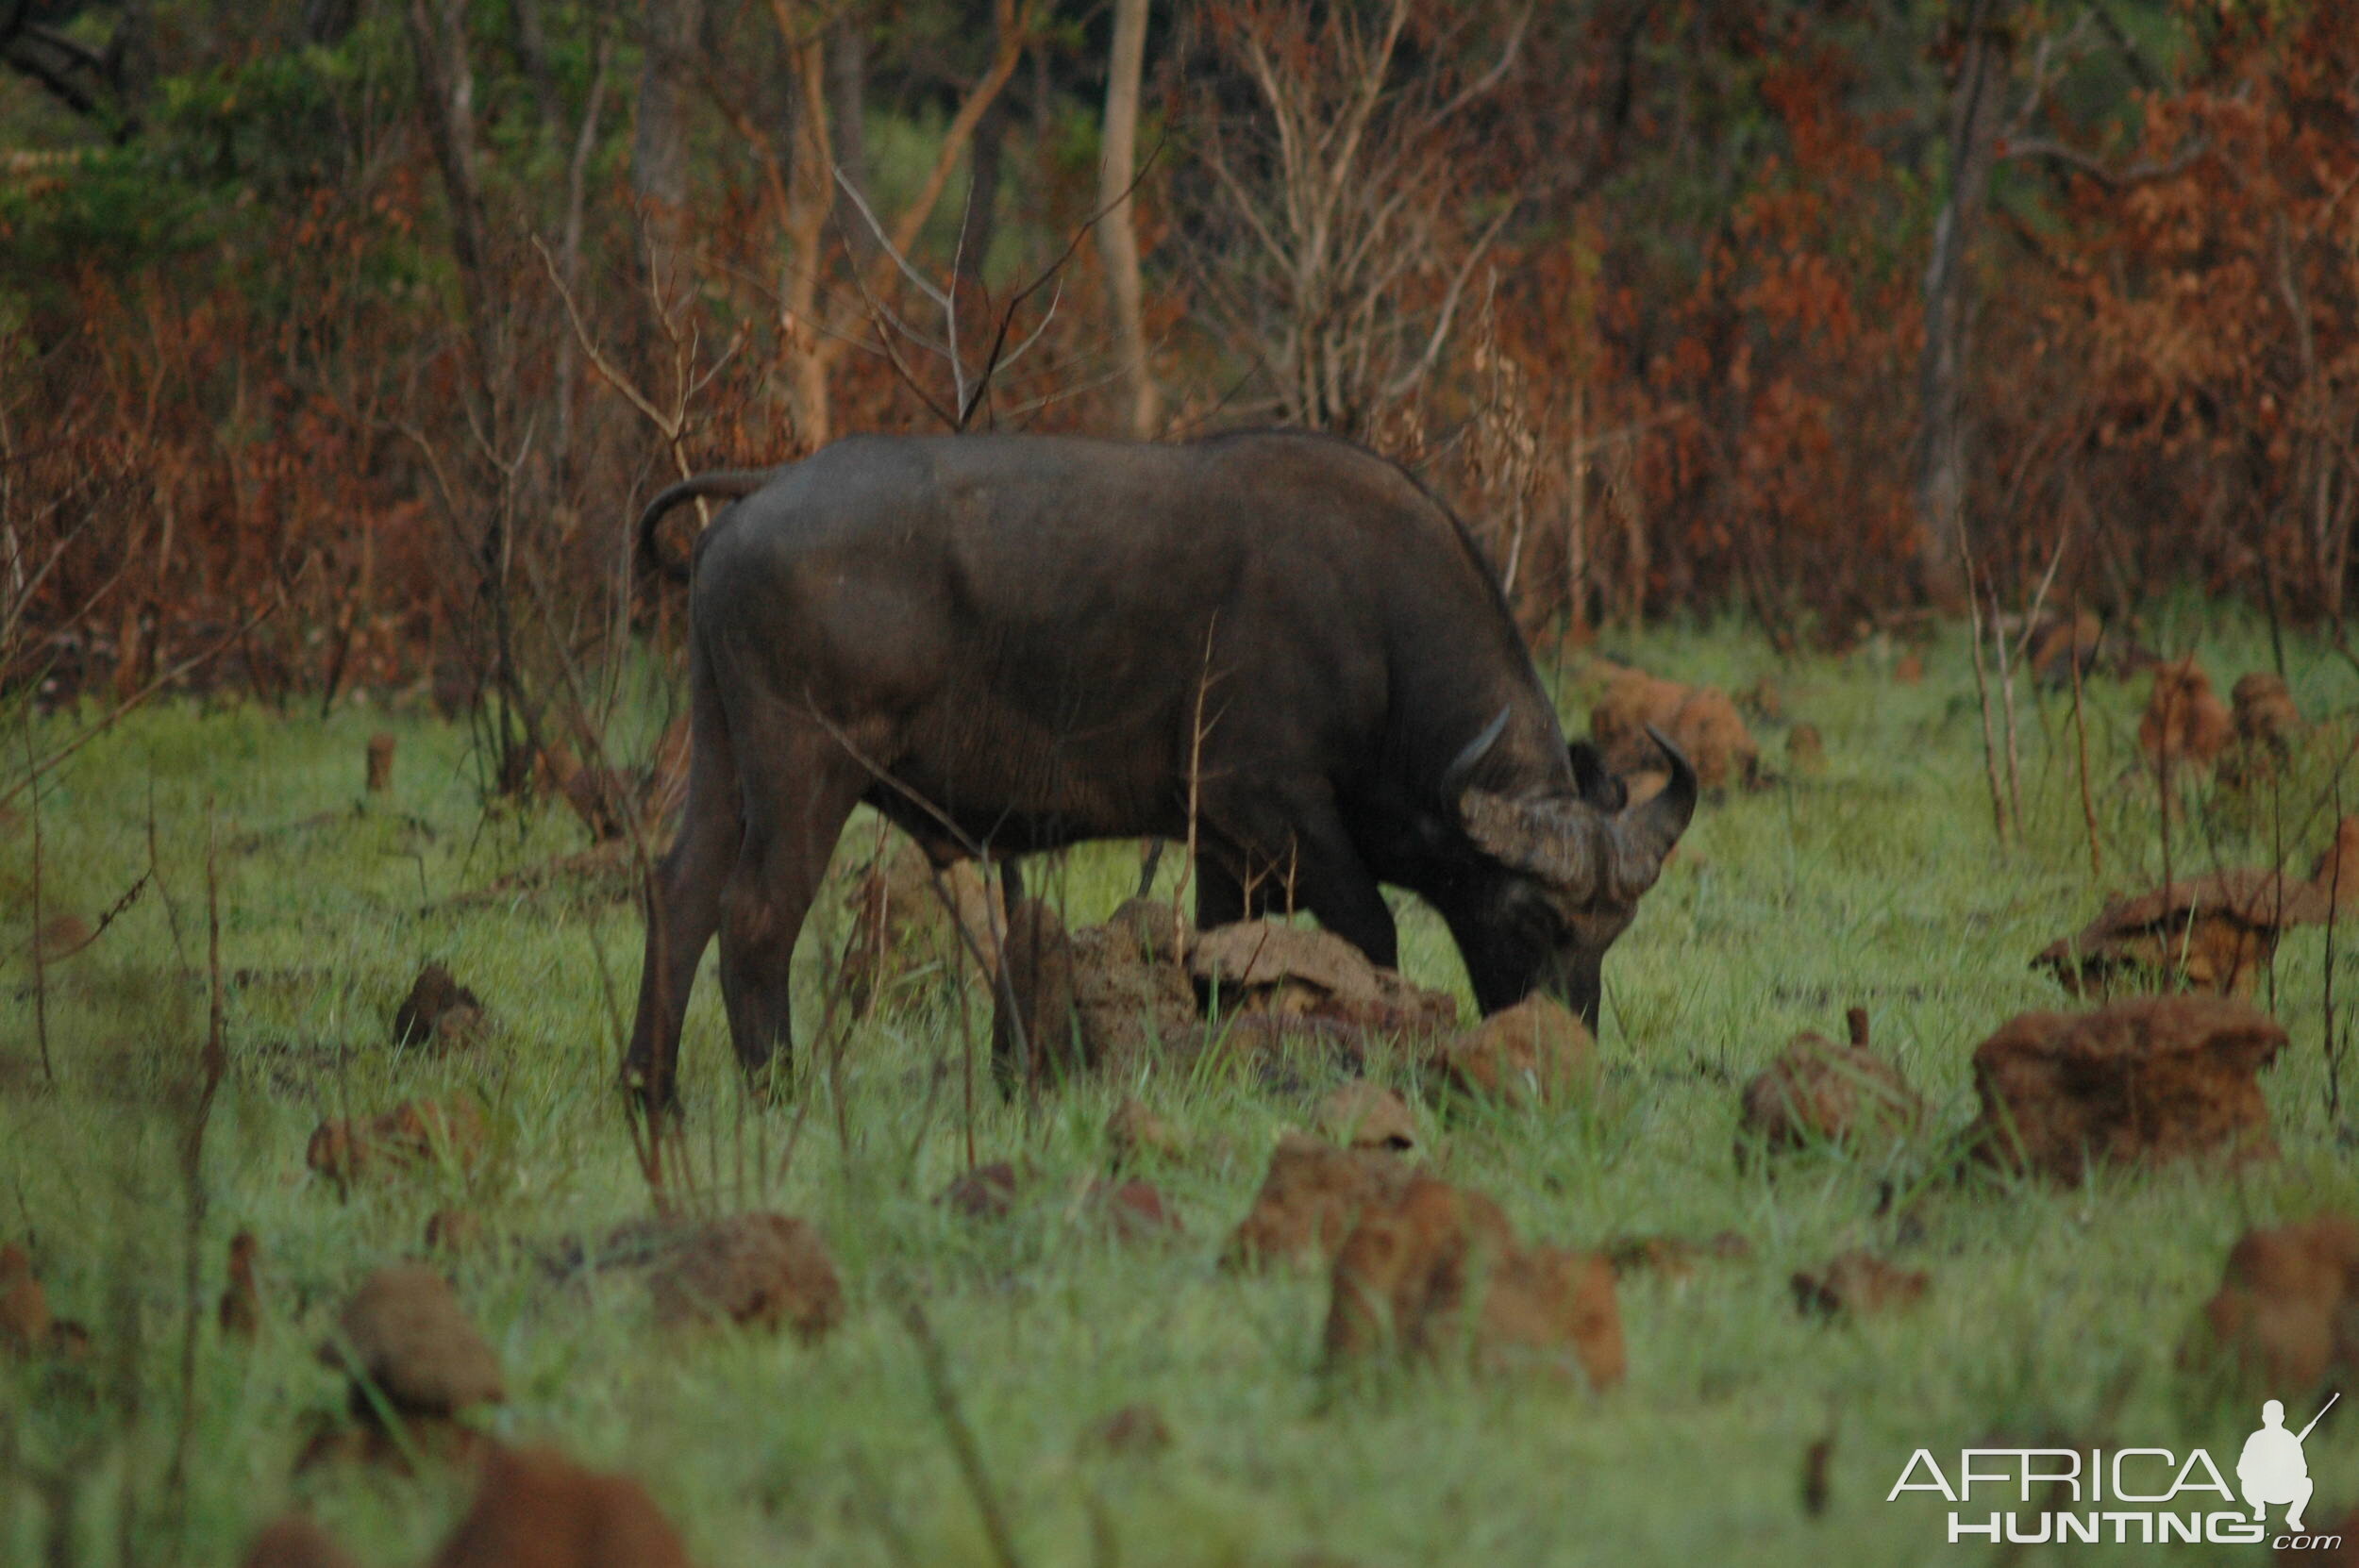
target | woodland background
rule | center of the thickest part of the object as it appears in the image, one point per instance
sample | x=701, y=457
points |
x=339, y=339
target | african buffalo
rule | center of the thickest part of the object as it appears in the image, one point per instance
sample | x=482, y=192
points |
x=1009, y=643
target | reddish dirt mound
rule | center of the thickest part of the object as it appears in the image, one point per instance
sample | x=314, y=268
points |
x=2137, y=1083
x=28, y=1328
x=1132, y=1431
x=2212, y=933
x=2056, y=644
x=2335, y=872
x=760, y=1271
x=536, y=1509
x=240, y=1312
x=1364, y=1115
x=293, y=1541
x=1700, y=721
x=1134, y=1210
x=985, y=1193
x=1859, y=1284
x=2183, y=724
x=1538, y=1050
x=413, y=1133
x=2264, y=711
x=439, y=1014
x=455, y=1232
x=1674, y=1257
x=2287, y=1309
x=1618, y=719
x=1308, y=1201
x=1818, y=1093
x=1435, y=1270
x=1710, y=731
x=901, y=923
x=1130, y=993
x=1805, y=751
x=1035, y=1033
x=1261, y=966
x=1134, y=1133
x=24, y=1321
x=404, y=1334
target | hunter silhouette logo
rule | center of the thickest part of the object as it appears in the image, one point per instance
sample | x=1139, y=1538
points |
x=2271, y=1471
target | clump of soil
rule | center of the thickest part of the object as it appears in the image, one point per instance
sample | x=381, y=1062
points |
x=1712, y=733
x=1435, y=1270
x=1819, y=1093
x=293, y=1541
x=1130, y=991
x=1364, y=1115
x=1674, y=1257
x=2287, y=1312
x=536, y=1509
x=1859, y=1284
x=985, y=1193
x=2335, y=872
x=900, y=922
x=1805, y=751
x=2141, y=1082
x=240, y=1310
x=1132, y=1431
x=28, y=1328
x=439, y=1014
x=1134, y=1210
x=454, y=1232
x=24, y=1321
x=757, y=1271
x=1134, y=1133
x=1308, y=1201
x=1537, y=1050
x=1035, y=1033
x=2184, y=723
x=613, y=803
x=1618, y=720
x=1700, y=721
x=2264, y=712
x=62, y=936
x=413, y=1133
x=405, y=1335
x=1291, y=972
x=2214, y=932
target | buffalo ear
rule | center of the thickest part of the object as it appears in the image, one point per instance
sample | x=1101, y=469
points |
x=1594, y=779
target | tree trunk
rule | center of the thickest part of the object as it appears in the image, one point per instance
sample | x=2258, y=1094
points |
x=1974, y=118
x=1117, y=229
x=810, y=197
x=848, y=116
x=438, y=42
x=659, y=149
x=532, y=57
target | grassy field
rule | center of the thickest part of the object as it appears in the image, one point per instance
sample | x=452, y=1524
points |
x=2054, y=1317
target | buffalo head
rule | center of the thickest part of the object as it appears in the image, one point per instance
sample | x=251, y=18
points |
x=1567, y=873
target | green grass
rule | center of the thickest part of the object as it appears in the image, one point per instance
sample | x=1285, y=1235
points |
x=2055, y=1315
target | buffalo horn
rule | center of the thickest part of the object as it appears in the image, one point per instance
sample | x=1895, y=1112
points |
x=1579, y=848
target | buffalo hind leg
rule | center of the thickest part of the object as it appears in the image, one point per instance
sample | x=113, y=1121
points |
x=683, y=900
x=793, y=815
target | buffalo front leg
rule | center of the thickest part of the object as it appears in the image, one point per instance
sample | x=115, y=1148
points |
x=683, y=901
x=793, y=818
